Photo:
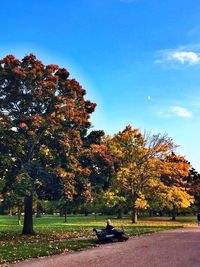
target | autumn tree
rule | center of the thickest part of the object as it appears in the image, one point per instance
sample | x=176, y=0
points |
x=176, y=169
x=176, y=191
x=193, y=180
x=43, y=121
x=141, y=159
x=176, y=198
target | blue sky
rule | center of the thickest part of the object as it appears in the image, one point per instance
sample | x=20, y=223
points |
x=139, y=60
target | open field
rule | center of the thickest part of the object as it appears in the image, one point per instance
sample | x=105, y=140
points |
x=53, y=236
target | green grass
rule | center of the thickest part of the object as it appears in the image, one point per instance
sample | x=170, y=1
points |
x=53, y=236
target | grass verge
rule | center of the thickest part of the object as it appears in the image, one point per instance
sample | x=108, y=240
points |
x=56, y=237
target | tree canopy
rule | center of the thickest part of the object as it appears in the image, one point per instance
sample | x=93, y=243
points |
x=147, y=166
x=43, y=121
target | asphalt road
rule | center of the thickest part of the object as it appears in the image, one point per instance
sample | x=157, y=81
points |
x=174, y=248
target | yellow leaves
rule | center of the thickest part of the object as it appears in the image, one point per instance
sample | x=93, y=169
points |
x=61, y=172
x=64, y=174
x=44, y=150
x=124, y=172
x=124, y=179
x=177, y=165
x=23, y=177
x=111, y=198
x=178, y=197
x=134, y=164
x=147, y=164
x=141, y=203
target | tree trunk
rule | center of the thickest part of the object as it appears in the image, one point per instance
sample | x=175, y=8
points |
x=65, y=214
x=10, y=211
x=86, y=212
x=39, y=210
x=19, y=216
x=138, y=213
x=134, y=210
x=134, y=215
x=28, y=215
x=173, y=214
x=120, y=214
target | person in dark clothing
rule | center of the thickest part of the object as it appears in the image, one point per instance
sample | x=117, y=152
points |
x=111, y=230
x=109, y=226
x=198, y=218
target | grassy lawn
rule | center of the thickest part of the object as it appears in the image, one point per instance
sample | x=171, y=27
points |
x=53, y=236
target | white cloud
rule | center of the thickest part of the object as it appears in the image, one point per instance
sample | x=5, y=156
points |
x=184, y=57
x=181, y=55
x=181, y=112
x=175, y=111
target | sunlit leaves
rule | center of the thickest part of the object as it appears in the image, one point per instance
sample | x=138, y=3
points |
x=177, y=197
x=141, y=160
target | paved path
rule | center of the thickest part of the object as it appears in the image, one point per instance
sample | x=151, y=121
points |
x=174, y=248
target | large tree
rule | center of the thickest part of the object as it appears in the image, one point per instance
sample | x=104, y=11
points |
x=43, y=121
x=141, y=159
